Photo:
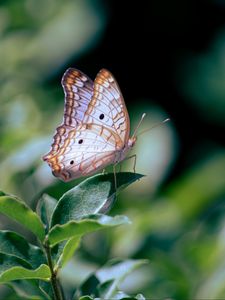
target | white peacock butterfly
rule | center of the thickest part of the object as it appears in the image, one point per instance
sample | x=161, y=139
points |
x=96, y=127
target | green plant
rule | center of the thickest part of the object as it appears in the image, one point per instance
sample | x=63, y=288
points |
x=32, y=271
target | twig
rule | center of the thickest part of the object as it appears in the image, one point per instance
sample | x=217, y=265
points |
x=57, y=292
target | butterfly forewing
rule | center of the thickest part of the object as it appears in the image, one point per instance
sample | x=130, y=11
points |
x=78, y=89
x=107, y=106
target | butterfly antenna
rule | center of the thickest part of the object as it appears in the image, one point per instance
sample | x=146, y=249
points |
x=154, y=126
x=136, y=129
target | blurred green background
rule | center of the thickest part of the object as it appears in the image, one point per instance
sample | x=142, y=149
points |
x=169, y=59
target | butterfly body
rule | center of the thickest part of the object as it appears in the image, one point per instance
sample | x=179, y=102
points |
x=96, y=126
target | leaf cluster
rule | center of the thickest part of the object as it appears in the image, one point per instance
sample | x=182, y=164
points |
x=59, y=225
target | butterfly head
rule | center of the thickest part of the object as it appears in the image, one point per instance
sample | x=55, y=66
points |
x=131, y=142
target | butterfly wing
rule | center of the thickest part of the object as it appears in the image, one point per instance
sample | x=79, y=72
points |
x=84, y=151
x=78, y=90
x=107, y=106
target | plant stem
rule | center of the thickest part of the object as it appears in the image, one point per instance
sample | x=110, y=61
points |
x=57, y=292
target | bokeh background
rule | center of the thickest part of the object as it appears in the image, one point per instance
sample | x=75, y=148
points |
x=169, y=59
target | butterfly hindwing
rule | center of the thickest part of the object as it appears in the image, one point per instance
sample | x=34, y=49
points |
x=85, y=149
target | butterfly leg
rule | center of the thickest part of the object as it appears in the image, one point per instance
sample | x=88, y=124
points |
x=135, y=160
x=134, y=156
x=114, y=172
x=103, y=172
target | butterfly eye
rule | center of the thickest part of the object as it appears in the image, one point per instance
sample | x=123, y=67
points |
x=80, y=141
x=101, y=117
x=72, y=162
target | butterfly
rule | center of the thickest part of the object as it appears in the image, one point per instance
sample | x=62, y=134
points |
x=95, y=131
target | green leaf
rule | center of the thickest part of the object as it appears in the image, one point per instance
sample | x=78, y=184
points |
x=122, y=296
x=13, y=268
x=67, y=251
x=45, y=208
x=46, y=288
x=104, y=282
x=89, y=287
x=140, y=297
x=114, y=272
x=20, y=212
x=85, y=298
x=15, y=273
x=80, y=227
x=28, y=289
x=2, y=193
x=94, y=195
x=119, y=269
x=118, y=295
x=12, y=243
x=104, y=288
x=198, y=187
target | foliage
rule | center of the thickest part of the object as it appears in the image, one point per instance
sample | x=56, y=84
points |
x=59, y=227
